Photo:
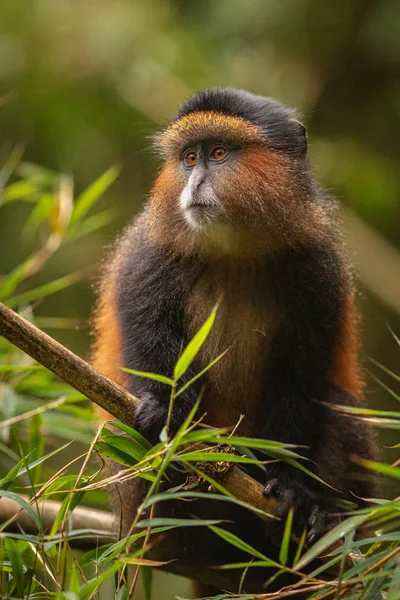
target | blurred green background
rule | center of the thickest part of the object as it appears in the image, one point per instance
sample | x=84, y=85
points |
x=84, y=84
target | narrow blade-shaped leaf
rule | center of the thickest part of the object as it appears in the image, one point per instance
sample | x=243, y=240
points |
x=193, y=347
x=91, y=194
x=201, y=373
x=234, y=540
x=284, y=549
x=329, y=539
x=24, y=504
x=153, y=376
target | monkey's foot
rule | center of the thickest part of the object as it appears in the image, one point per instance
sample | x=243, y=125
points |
x=310, y=512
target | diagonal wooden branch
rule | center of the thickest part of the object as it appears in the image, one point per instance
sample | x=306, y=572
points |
x=67, y=365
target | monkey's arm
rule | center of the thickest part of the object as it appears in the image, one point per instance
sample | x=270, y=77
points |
x=306, y=366
x=151, y=292
x=311, y=298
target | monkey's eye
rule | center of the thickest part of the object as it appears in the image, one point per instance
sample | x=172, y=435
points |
x=190, y=158
x=219, y=152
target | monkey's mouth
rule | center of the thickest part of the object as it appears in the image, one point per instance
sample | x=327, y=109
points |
x=200, y=214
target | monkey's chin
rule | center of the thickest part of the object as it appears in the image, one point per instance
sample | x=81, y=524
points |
x=211, y=231
x=203, y=218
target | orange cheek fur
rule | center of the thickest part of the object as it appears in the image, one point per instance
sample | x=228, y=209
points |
x=258, y=177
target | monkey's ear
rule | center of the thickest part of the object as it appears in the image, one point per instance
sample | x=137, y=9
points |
x=301, y=136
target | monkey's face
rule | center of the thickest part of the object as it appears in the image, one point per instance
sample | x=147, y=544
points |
x=203, y=165
x=229, y=185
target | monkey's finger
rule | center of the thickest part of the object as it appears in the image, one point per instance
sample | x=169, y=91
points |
x=273, y=488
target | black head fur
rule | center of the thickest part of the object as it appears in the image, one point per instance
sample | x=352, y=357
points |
x=284, y=131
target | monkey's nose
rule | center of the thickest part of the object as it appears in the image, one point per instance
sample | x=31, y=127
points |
x=197, y=180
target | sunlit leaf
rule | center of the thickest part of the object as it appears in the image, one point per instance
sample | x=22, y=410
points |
x=132, y=432
x=91, y=194
x=200, y=374
x=194, y=346
x=284, y=549
x=17, y=565
x=44, y=290
x=24, y=504
x=153, y=376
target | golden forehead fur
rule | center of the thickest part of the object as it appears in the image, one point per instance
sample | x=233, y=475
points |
x=198, y=126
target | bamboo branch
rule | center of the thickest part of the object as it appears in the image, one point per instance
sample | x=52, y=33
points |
x=70, y=368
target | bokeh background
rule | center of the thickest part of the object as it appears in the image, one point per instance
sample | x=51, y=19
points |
x=84, y=84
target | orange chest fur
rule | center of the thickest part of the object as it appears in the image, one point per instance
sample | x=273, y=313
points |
x=245, y=324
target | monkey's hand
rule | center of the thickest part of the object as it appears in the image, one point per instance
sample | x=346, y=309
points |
x=151, y=417
x=311, y=512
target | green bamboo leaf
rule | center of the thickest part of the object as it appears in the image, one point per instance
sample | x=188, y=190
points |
x=298, y=465
x=40, y=213
x=36, y=445
x=91, y=586
x=380, y=468
x=27, y=190
x=365, y=412
x=11, y=475
x=214, y=457
x=193, y=347
x=74, y=586
x=362, y=565
x=147, y=581
x=244, y=565
x=255, y=443
x=91, y=194
x=202, y=372
x=109, y=450
x=42, y=459
x=177, y=495
x=394, y=590
x=15, y=558
x=12, y=280
x=166, y=522
x=284, y=549
x=44, y=290
x=9, y=167
x=132, y=432
x=234, y=540
x=203, y=435
x=20, y=368
x=91, y=224
x=24, y=504
x=123, y=592
x=300, y=546
x=128, y=445
x=185, y=427
x=385, y=369
x=154, y=376
x=329, y=539
x=60, y=516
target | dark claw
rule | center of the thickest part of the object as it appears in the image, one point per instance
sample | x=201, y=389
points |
x=313, y=516
x=312, y=536
x=320, y=522
x=273, y=488
x=292, y=491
